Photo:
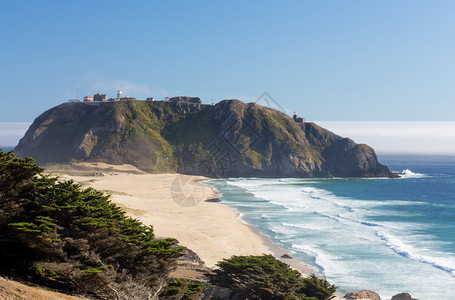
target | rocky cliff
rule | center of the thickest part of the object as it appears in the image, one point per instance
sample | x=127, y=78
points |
x=229, y=139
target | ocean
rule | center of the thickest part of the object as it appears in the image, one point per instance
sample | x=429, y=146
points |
x=6, y=148
x=385, y=235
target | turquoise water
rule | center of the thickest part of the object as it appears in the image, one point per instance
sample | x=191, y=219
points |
x=386, y=235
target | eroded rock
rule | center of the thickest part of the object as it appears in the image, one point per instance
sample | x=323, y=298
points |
x=365, y=294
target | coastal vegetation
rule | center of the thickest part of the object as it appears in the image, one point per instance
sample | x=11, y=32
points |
x=59, y=235
x=265, y=277
x=182, y=289
x=56, y=234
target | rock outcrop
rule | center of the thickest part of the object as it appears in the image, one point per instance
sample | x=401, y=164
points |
x=229, y=139
x=403, y=296
x=365, y=294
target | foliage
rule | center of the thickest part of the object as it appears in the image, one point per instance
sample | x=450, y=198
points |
x=60, y=235
x=265, y=277
x=318, y=288
x=193, y=153
x=184, y=289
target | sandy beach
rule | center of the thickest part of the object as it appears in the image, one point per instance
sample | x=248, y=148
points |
x=175, y=205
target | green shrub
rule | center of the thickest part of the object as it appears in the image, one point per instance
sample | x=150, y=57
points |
x=183, y=289
x=318, y=288
x=265, y=277
x=72, y=238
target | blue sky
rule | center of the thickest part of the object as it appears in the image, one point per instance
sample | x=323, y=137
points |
x=328, y=60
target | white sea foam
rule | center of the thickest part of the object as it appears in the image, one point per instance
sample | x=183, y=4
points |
x=322, y=259
x=329, y=211
x=341, y=235
x=408, y=251
x=241, y=217
x=406, y=173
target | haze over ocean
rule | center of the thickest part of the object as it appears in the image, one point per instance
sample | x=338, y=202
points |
x=387, y=235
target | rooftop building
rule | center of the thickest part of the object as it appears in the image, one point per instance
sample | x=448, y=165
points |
x=88, y=99
x=100, y=97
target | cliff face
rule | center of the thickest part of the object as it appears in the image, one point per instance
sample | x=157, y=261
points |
x=229, y=139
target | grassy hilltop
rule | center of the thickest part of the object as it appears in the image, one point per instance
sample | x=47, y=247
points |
x=229, y=139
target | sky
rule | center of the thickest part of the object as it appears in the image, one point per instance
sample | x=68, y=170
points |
x=342, y=61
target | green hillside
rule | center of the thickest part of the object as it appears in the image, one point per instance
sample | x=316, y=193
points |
x=228, y=139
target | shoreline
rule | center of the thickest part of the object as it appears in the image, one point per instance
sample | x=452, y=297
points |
x=174, y=204
x=278, y=252
x=274, y=247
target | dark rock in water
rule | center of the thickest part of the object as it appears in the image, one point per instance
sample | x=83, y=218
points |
x=403, y=296
x=286, y=256
x=229, y=139
x=365, y=294
x=215, y=200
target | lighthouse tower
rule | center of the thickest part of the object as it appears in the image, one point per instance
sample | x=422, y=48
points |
x=119, y=94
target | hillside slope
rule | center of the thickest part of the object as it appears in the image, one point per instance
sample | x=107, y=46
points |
x=229, y=139
x=13, y=290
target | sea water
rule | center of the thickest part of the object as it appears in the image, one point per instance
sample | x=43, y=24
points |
x=385, y=235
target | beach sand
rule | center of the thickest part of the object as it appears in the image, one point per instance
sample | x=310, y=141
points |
x=175, y=205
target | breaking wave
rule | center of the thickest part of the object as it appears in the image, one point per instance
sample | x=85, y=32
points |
x=442, y=263
x=406, y=173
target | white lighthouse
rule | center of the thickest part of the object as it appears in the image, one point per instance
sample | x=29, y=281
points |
x=119, y=94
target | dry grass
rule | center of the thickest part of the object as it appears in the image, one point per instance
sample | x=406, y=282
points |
x=13, y=290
